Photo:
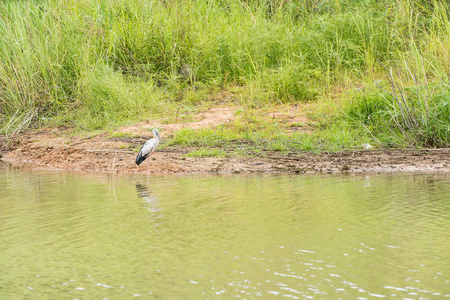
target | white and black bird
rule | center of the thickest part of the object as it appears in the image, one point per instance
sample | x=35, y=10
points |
x=148, y=148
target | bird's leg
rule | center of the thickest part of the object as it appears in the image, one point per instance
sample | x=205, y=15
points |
x=148, y=166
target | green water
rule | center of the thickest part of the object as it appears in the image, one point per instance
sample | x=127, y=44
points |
x=89, y=236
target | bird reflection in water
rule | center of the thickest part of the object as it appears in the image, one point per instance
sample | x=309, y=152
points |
x=150, y=202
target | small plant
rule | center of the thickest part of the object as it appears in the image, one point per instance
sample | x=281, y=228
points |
x=207, y=153
x=277, y=145
x=118, y=134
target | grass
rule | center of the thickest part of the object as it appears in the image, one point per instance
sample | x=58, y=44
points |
x=100, y=64
x=207, y=153
x=419, y=113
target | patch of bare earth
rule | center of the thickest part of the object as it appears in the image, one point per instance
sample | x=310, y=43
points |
x=54, y=149
x=208, y=119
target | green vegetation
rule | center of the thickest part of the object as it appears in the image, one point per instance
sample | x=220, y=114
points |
x=207, y=152
x=377, y=71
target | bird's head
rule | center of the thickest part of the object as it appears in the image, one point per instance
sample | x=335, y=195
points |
x=155, y=132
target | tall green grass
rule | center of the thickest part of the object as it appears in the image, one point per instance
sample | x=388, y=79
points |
x=412, y=112
x=97, y=63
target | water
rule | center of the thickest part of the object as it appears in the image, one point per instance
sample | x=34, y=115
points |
x=87, y=236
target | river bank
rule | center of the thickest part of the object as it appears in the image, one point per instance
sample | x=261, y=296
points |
x=55, y=150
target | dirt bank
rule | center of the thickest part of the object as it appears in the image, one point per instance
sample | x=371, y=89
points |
x=61, y=150
x=102, y=153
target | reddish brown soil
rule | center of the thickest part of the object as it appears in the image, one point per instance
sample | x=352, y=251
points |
x=56, y=149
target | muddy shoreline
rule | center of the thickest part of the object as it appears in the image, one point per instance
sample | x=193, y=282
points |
x=101, y=153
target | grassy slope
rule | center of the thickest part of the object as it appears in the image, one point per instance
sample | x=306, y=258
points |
x=102, y=63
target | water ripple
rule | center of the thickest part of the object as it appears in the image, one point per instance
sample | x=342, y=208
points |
x=77, y=236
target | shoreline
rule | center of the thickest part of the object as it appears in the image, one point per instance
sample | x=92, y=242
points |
x=102, y=153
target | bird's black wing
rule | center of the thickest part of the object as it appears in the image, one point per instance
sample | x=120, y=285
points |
x=141, y=156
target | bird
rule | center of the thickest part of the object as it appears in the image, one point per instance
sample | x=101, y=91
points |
x=148, y=148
